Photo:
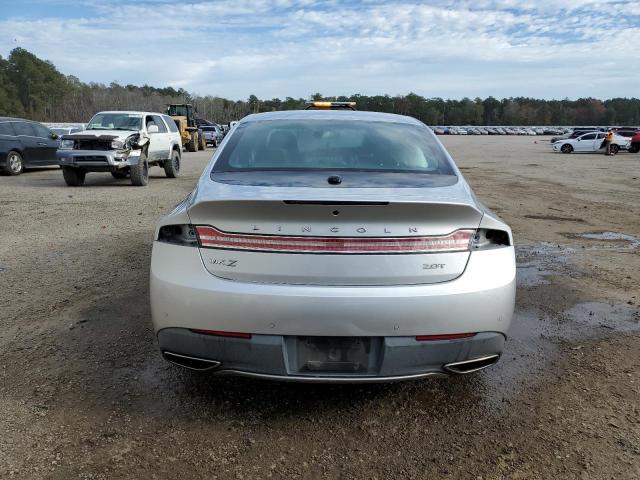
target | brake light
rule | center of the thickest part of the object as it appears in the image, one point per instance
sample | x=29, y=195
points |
x=219, y=333
x=458, y=241
x=448, y=336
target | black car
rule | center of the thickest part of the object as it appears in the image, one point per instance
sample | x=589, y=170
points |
x=24, y=144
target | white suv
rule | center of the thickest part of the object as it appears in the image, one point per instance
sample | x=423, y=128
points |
x=123, y=143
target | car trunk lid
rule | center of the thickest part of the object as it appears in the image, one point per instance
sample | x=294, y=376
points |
x=309, y=241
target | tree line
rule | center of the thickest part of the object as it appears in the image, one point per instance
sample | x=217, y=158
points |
x=34, y=88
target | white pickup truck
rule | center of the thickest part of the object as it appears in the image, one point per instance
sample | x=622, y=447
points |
x=122, y=143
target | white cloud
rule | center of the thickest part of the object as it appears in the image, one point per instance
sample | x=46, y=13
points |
x=295, y=47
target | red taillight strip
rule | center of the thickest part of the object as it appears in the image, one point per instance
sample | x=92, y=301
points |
x=219, y=333
x=448, y=336
x=457, y=241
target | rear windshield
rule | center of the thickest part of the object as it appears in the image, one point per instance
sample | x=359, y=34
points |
x=333, y=145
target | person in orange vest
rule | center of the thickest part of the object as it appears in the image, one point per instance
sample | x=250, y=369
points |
x=608, y=140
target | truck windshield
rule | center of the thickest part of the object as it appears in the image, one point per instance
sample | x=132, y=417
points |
x=115, y=121
x=336, y=145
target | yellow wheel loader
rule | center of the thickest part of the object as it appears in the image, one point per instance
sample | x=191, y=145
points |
x=184, y=116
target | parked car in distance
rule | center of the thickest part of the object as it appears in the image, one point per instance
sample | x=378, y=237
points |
x=25, y=144
x=60, y=131
x=575, y=133
x=212, y=134
x=589, y=143
x=123, y=143
x=332, y=246
x=626, y=132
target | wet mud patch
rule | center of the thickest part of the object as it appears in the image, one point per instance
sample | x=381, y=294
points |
x=530, y=275
x=537, y=262
x=606, y=316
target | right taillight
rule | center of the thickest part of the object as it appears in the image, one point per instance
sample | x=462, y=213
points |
x=490, y=238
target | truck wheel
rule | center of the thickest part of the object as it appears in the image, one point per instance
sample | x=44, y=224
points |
x=192, y=145
x=119, y=174
x=634, y=148
x=172, y=166
x=140, y=172
x=74, y=177
x=202, y=143
x=15, y=164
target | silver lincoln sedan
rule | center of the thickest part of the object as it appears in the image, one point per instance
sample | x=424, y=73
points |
x=332, y=245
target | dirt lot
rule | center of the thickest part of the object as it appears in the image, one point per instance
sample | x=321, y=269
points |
x=84, y=393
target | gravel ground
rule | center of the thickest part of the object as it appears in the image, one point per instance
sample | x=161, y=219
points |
x=84, y=393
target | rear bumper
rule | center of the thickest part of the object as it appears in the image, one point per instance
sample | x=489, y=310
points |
x=185, y=295
x=274, y=357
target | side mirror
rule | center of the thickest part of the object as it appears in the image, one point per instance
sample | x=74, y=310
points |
x=152, y=129
x=54, y=136
x=578, y=139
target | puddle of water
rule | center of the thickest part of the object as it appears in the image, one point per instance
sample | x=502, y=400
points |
x=535, y=336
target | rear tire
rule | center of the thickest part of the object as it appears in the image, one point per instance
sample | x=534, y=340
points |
x=119, y=174
x=15, y=163
x=140, y=172
x=566, y=148
x=74, y=177
x=634, y=149
x=614, y=149
x=192, y=145
x=172, y=166
x=202, y=143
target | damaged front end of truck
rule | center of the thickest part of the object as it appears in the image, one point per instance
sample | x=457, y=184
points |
x=103, y=152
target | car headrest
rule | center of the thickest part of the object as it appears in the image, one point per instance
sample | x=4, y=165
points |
x=283, y=139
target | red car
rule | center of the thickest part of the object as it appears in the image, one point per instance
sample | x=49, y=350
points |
x=634, y=147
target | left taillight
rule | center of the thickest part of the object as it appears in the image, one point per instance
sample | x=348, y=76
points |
x=184, y=235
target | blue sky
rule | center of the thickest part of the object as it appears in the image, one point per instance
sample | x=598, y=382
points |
x=234, y=48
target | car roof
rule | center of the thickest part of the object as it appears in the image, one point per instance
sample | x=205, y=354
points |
x=331, y=115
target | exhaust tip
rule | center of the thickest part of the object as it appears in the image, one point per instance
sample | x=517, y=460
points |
x=192, y=363
x=472, y=365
